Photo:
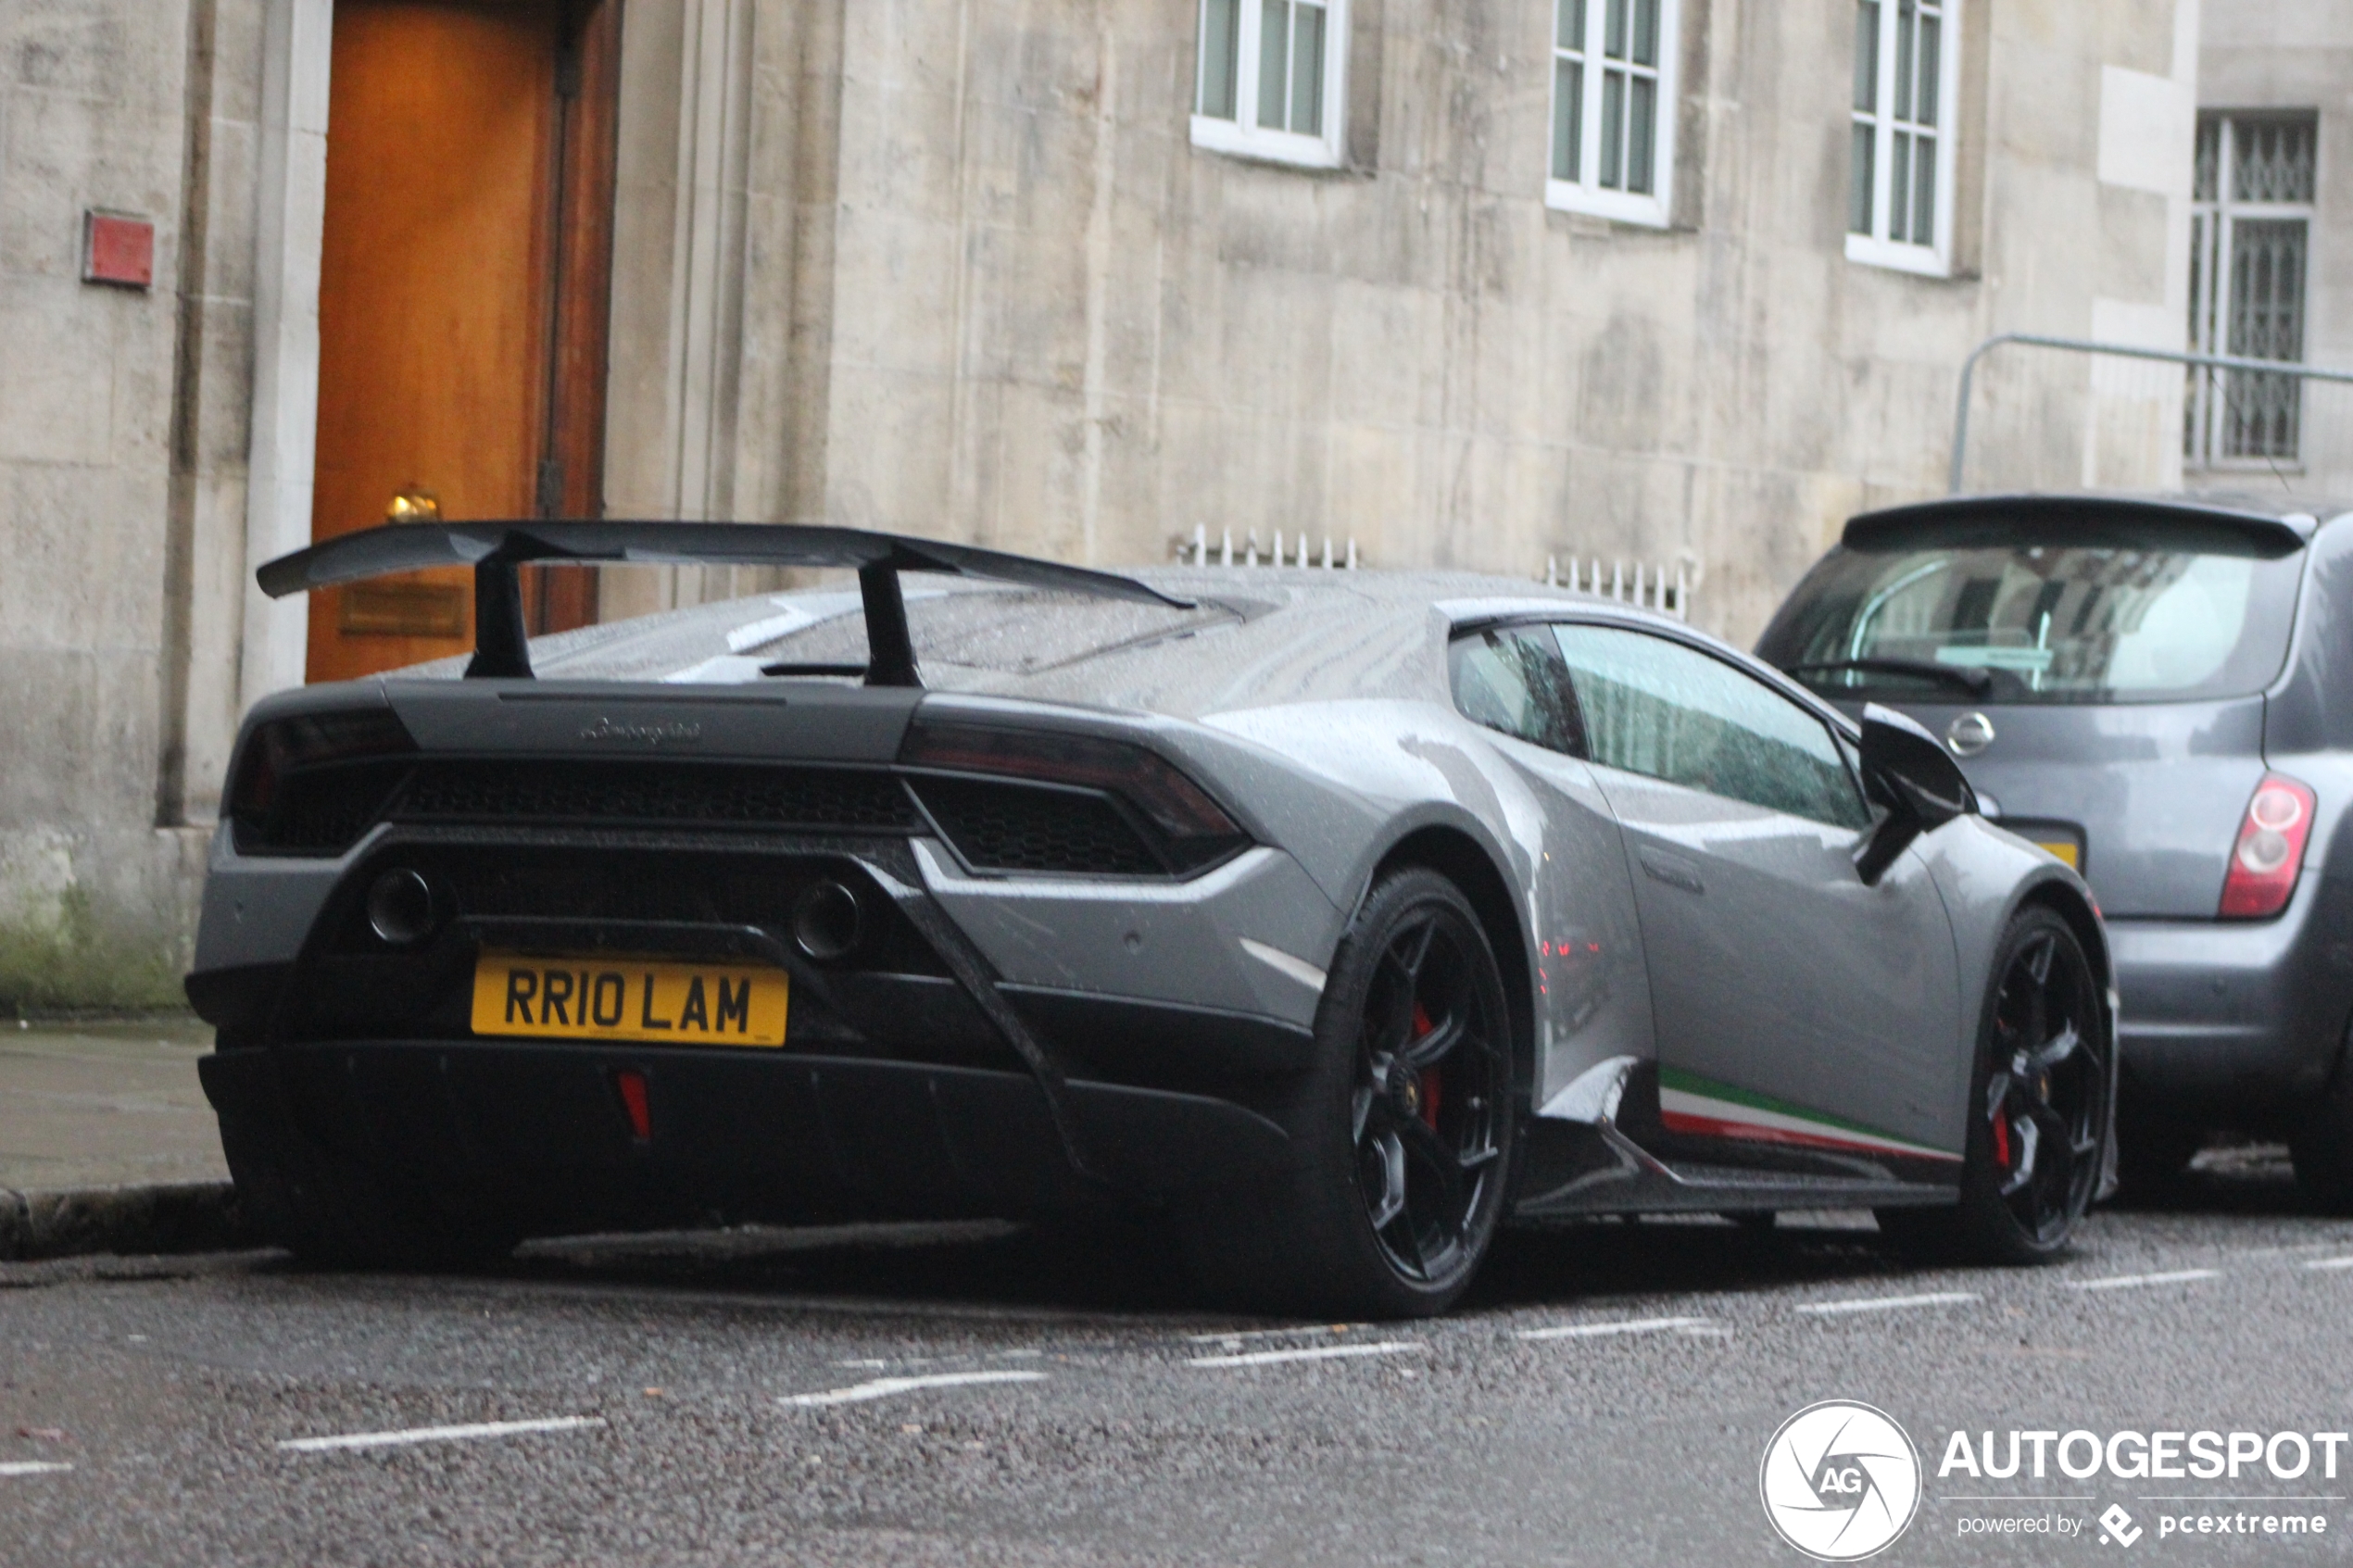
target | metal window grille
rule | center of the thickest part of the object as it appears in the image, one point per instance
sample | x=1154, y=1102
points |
x=2250, y=237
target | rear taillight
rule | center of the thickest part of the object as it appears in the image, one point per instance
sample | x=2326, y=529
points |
x=1192, y=828
x=2269, y=851
x=307, y=740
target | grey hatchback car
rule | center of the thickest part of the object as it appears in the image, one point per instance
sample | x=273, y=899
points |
x=2159, y=690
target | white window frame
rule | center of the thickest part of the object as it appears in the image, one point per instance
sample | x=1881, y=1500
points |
x=2214, y=222
x=1876, y=248
x=1586, y=193
x=1242, y=135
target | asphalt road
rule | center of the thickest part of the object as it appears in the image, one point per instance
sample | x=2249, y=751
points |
x=993, y=1397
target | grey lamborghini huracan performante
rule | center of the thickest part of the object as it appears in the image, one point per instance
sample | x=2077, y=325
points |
x=1330, y=919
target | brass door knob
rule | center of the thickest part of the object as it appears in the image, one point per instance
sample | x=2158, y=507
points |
x=413, y=504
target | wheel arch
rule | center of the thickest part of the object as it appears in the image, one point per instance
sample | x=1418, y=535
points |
x=1462, y=859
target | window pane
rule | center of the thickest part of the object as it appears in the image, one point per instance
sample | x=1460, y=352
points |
x=1274, y=61
x=1642, y=123
x=1867, y=56
x=1899, y=186
x=1307, y=73
x=1929, y=45
x=1858, y=204
x=1613, y=129
x=2263, y=415
x=1924, y=190
x=1220, y=55
x=1646, y=32
x=1513, y=680
x=1904, y=59
x=1571, y=31
x=1669, y=711
x=1614, y=31
x=2272, y=159
x=2210, y=157
x=1569, y=120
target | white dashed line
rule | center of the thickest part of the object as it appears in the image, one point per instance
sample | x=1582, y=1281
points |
x=1235, y=1337
x=1317, y=1353
x=466, y=1434
x=1598, y=1330
x=2128, y=1282
x=884, y=1388
x=2330, y=1264
x=32, y=1467
x=1890, y=1303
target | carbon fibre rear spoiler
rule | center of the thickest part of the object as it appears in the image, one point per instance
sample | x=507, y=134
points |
x=496, y=549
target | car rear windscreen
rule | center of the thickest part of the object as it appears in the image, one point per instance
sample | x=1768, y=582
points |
x=2033, y=610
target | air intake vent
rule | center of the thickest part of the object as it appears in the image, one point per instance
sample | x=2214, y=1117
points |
x=666, y=793
x=1011, y=827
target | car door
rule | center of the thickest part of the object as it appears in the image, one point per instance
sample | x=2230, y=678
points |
x=1593, y=1003
x=1793, y=1005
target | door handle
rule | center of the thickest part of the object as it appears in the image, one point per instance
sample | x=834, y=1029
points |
x=1670, y=870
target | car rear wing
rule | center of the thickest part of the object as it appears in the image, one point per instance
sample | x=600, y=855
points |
x=496, y=549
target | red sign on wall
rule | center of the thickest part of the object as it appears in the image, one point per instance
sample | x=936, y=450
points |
x=118, y=250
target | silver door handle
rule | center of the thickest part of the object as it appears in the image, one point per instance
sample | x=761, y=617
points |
x=1670, y=870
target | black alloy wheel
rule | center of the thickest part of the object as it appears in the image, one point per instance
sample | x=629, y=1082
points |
x=1405, y=1128
x=2041, y=1104
x=1433, y=1076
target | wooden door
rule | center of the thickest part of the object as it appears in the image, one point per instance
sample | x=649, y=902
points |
x=462, y=300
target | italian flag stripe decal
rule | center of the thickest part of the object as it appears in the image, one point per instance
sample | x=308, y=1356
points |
x=1703, y=1107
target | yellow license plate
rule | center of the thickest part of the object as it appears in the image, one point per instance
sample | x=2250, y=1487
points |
x=610, y=999
x=2063, y=848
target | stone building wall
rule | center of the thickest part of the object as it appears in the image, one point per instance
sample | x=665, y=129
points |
x=954, y=267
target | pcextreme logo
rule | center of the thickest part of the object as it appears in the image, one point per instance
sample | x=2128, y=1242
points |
x=1840, y=1481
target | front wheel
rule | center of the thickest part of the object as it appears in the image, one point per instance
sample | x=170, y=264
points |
x=2039, y=1103
x=1404, y=1127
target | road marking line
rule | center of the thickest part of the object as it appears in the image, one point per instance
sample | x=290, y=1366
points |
x=1317, y=1353
x=464, y=1434
x=2127, y=1282
x=884, y=1388
x=32, y=1467
x=2330, y=1264
x=1238, y=1335
x=1596, y=1330
x=1891, y=1303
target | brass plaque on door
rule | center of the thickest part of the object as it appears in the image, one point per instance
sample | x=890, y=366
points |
x=394, y=608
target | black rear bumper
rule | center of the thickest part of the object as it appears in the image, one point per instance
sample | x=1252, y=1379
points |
x=537, y=1140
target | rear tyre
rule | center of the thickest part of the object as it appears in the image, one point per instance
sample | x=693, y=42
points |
x=1404, y=1129
x=2322, y=1148
x=2039, y=1103
x=334, y=1212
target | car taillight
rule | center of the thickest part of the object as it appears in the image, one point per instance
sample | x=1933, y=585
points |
x=306, y=740
x=2269, y=851
x=1193, y=827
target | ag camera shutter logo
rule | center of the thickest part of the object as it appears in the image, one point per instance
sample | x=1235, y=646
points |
x=1840, y=1481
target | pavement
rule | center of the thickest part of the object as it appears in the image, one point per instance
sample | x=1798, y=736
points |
x=993, y=1396
x=105, y=1141
x=105, y=1103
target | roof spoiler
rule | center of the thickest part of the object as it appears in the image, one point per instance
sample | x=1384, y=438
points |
x=2087, y=516
x=496, y=549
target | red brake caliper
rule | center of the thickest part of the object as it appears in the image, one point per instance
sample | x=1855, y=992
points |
x=1422, y=1025
x=2002, y=1140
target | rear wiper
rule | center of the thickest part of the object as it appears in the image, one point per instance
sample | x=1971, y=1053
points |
x=1977, y=683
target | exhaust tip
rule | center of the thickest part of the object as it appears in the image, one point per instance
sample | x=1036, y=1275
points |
x=827, y=921
x=401, y=907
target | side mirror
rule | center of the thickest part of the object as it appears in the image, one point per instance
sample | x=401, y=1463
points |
x=1906, y=772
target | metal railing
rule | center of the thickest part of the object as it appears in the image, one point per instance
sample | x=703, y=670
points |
x=1197, y=551
x=2269, y=370
x=1648, y=587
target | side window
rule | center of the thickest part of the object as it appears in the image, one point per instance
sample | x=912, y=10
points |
x=1669, y=711
x=1511, y=678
